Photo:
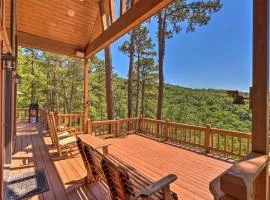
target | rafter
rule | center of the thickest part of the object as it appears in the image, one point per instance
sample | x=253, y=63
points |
x=112, y=11
x=137, y=14
x=103, y=15
x=123, y=7
x=29, y=40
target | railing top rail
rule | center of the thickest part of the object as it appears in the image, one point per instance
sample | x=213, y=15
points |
x=70, y=114
x=153, y=120
x=102, y=122
x=129, y=119
x=232, y=133
x=187, y=125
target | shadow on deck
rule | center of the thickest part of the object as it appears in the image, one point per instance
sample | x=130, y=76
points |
x=34, y=150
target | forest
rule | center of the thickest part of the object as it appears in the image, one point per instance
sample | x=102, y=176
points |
x=56, y=81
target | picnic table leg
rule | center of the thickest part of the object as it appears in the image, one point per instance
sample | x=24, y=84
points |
x=105, y=150
x=167, y=193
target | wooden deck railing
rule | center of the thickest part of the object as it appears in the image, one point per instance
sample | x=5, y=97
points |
x=224, y=142
x=113, y=128
x=70, y=121
x=231, y=143
x=128, y=126
x=22, y=113
x=227, y=143
x=103, y=128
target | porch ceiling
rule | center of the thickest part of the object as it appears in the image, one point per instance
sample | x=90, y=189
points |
x=65, y=26
x=60, y=26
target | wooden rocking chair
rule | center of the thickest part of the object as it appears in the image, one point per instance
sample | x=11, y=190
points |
x=60, y=139
x=60, y=134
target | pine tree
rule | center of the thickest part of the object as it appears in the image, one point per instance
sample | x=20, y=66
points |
x=172, y=20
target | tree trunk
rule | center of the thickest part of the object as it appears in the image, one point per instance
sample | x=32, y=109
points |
x=161, y=54
x=138, y=86
x=109, y=89
x=54, y=91
x=72, y=92
x=143, y=91
x=66, y=109
x=130, y=74
x=33, y=85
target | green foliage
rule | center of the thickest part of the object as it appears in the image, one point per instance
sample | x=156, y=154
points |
x=201, y=107
x=56, y=82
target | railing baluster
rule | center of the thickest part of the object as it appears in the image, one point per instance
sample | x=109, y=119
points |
x=232, y=146
x=218, y=143
x=225, y=143
x=240, y=146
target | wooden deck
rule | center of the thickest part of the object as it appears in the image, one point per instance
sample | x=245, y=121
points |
x=154, y=159
x=63, y=175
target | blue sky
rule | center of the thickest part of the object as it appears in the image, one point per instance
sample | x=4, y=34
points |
x=218, y=55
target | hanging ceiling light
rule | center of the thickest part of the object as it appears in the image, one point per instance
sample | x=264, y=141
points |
x=71, y=12
x=8, y=61
x=17, y=79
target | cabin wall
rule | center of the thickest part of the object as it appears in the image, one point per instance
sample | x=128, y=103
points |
x=1, y=119
x=7, y=94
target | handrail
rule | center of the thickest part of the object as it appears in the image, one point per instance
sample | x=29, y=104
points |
x=22, y=113
x=107, y=128
x=229, y=143
x=233, y=144
x=240, y=181
x=74, y=120
x=113, y=128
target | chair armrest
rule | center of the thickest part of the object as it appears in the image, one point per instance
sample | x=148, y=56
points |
x=155, y=187
x=70, y=130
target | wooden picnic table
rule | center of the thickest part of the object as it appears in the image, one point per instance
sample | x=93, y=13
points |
x=95, y=142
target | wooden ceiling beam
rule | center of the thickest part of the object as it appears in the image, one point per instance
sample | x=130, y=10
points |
x=29, y=40
x=123, y=7
x=103, y=15
x=134, y=16
x=112, y=11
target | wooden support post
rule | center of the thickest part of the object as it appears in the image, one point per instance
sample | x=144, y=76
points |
x=167, y=130
x=86, y=100
x=117, y=131
x=81, y=119
x=167, y=193
x=140, y=124
x=207, y=138
x=90, y=127
x=260, y=90
x=1, y=121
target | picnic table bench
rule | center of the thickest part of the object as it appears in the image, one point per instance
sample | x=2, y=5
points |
x=124, y=182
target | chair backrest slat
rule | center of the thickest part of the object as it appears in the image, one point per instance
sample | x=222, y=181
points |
x=118, y=180
x=53, y=130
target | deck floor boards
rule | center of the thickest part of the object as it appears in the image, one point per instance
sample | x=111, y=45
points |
x=156, y=159
x=34, y=150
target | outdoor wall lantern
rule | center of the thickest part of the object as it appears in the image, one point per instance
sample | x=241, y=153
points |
x=8, y=61
x=17, y=79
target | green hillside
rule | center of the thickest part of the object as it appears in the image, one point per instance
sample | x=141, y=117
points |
x=56, y=82
x=201, y=106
